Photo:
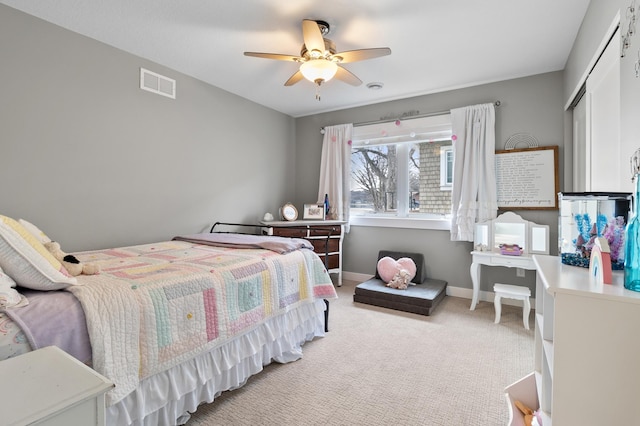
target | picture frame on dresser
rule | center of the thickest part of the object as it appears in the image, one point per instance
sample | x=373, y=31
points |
x=313, y=211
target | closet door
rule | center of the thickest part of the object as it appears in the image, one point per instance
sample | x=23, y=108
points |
x=580, y=176
x=605, y=165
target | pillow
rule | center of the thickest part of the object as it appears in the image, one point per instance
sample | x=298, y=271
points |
x=388, y=267
x=35, y=231
x=27, y=261
x=9, y=296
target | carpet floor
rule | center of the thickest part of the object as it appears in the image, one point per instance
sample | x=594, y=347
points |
x=378, y=366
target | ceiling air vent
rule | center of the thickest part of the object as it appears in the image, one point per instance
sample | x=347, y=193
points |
x=157, y=83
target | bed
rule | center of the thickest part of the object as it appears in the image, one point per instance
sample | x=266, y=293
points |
x=174, y=323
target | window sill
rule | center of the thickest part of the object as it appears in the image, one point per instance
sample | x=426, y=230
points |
x=441, y=224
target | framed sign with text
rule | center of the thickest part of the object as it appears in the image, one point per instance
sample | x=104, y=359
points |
x=528, y=178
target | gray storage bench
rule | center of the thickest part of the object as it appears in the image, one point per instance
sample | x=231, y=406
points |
x=421, y=298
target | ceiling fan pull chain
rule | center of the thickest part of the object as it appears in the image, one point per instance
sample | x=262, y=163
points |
x=318, y=92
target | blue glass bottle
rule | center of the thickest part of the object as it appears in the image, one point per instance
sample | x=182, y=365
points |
x=632, y=243
x=326, y=205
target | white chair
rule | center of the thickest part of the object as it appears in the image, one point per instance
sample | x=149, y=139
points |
x=512, y=292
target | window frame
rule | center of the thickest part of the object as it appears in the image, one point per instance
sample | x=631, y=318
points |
x=403, y=133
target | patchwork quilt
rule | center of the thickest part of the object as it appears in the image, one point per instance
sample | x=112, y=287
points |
x=154, y=306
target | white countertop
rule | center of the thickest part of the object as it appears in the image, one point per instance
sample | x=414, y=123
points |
x=560, y=278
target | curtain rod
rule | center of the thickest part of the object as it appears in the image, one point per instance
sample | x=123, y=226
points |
x=408, y=117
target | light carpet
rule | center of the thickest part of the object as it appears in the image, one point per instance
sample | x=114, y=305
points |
x=378, y=366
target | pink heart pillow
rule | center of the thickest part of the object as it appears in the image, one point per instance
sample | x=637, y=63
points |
x=388, y=267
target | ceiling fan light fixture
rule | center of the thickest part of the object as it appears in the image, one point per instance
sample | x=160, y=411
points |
x=318, y=70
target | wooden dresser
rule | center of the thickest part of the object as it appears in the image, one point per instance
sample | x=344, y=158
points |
x=316, y=231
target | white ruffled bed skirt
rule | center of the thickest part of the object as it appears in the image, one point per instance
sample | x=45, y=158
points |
x=168, y=398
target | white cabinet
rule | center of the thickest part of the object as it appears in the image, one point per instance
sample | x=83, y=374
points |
x=50, y=387
x=587, y=344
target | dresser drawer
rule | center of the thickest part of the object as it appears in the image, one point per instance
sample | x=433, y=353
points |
x=290, y=232
x=323, y=231
x=334, y=260
x=320, y=245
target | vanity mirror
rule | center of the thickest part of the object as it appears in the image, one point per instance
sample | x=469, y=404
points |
x=509, y=233
x=509, y=228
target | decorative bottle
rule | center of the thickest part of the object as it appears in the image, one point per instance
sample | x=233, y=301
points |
x=326, y=205
x=632, y=233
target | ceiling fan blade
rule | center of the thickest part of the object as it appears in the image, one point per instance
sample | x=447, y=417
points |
x=347, y=76
x=362, y=54
x=312, y=36
x=294, y=79
x=276, y=56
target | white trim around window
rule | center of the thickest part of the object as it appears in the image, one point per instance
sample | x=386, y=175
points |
x=442, y=224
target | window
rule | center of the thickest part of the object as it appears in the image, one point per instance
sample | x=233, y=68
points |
x=446, y=167
x=402, y=169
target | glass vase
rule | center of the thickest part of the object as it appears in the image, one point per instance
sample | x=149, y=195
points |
x=632, y=244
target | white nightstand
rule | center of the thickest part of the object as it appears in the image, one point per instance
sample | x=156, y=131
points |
x=50, y=387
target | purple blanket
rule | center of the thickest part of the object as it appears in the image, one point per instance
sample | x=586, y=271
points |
x=278, y=244
x=54, y=318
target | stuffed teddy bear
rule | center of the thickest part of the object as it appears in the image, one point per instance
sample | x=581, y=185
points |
x=70, y=262
x=400, y=280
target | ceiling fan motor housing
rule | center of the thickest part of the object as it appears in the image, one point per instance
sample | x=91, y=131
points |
x=329, y=46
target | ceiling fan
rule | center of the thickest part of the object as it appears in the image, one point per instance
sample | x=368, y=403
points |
x=319, y=61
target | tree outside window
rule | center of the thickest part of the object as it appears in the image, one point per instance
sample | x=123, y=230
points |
x=400, y=179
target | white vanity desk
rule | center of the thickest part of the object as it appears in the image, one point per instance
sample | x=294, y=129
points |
x=508, y=228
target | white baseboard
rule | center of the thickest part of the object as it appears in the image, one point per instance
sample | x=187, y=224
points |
x=355, y=276
x=465, y=293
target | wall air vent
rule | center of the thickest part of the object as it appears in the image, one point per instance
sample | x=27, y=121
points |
x=157, y=83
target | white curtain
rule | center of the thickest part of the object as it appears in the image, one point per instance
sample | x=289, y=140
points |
x=335, y=169
x=474, y=195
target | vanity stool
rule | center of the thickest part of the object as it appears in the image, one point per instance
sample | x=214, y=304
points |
x=512, y=292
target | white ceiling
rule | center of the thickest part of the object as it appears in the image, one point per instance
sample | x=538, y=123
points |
x=436, y=45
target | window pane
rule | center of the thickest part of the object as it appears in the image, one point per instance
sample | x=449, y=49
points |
x=374, y=179
x=414, y=178
x=433, y=199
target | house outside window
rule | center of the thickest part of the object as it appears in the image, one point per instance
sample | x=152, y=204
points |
x=402, y=169
x=446, y=167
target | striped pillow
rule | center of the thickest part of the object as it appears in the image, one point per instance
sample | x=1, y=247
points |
x=35, y=231
x=27, y=261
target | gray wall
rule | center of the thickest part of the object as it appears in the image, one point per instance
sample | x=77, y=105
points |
x=597, y=20
x=595, y=28
x=96, y=162
x=533, y=105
